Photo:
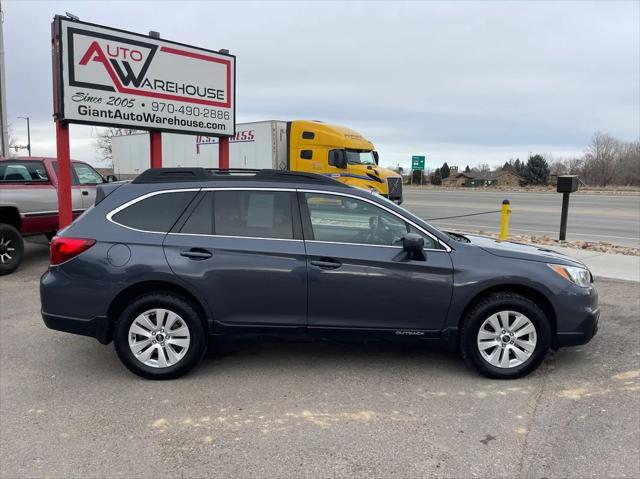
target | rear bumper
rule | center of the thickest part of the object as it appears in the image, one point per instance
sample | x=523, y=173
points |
x=97, y=327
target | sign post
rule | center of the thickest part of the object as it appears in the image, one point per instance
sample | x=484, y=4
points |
x=566, y=185
x=109, y=77
x=417, y=163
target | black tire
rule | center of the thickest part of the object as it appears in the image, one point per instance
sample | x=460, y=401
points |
x=187, y=313
x=11, y=238
x=481, y=311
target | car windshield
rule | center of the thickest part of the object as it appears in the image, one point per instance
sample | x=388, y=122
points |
x=357, y=157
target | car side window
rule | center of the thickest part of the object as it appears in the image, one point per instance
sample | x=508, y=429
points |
x=74, y=177
x=257, y=214
x=157, y=213
x=200, y=222
x=343, y=219
x=87, y=175
x=25, y=171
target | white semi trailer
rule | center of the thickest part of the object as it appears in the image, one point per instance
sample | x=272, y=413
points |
x=256, y=145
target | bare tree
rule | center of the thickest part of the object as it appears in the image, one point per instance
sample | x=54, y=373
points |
x=601, y=159
x=559, y=167
x=628, y=171
x=103, y=138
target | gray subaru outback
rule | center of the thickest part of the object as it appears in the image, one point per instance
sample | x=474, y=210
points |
x=165, y=263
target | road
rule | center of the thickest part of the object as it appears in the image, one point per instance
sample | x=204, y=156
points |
x=69, y=409
x=592, y=217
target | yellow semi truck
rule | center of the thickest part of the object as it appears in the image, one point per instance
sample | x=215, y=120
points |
x=299, y=145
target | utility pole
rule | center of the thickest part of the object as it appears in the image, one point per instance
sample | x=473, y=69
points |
x=4, y=128
x=28, y=133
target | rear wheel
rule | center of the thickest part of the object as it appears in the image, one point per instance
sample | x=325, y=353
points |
x=505, y=336
x=159, y=336
x=11, y=248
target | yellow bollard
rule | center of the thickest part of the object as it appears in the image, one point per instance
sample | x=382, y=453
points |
x=504, y=220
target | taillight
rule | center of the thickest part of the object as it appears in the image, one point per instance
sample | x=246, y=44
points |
x=63, y=249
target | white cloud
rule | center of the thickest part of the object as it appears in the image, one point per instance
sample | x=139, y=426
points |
x=479, y=81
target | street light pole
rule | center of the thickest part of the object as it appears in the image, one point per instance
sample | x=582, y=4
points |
x=4, y=133
x=28, y=133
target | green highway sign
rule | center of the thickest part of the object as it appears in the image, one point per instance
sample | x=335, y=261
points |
x=417, y=162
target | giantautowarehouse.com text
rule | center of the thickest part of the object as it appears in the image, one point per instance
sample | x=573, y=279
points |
x=148, y=118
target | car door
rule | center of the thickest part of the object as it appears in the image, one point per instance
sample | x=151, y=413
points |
x=87, y=180
x=243, y=252
x=360, y=278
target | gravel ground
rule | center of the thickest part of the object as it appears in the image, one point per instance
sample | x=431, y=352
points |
x=69, y=409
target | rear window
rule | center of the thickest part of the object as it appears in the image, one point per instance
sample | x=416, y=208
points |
x=157, y=213
x=26, y=171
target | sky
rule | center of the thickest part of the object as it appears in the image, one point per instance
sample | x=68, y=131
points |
x=461, y=82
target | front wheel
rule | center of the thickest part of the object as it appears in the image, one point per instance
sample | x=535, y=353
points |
x=11, y=249
x=505, y=336
x=159, y=336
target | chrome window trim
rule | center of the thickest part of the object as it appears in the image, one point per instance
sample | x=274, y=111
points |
x=446, y=247
x=110, y=215
x=115, y=211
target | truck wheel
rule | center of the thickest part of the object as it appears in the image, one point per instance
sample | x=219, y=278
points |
x=159, y=336
x=505, y=336
x=11, y=248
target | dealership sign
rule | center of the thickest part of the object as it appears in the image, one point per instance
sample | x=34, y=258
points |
x=111, y=77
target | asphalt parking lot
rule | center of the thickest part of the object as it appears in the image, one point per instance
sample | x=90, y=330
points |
x=69, y=409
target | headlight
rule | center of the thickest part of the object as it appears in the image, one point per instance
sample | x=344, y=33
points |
x=576, y=275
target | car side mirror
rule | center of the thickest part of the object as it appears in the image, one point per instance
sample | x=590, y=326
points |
x=111, y=178
x=376, y=157
x=413, y=245
x=338, y=158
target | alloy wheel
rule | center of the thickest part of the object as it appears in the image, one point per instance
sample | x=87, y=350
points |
x=159, y=338
x=507, y=339
x=6, y=250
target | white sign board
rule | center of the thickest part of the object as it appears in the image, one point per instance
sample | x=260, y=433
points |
x=111, y=77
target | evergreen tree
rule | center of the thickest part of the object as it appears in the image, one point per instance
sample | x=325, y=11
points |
x=518, y=166
x=506, y=165
x=467, y=169
x=437, y=177
x=445, y=171
x=537, y=170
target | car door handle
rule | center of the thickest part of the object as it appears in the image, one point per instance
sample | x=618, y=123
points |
x=197, y=254
x=326, y=263
x=85, y=192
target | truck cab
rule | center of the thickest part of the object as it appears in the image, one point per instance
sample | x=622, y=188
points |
x=341, y=153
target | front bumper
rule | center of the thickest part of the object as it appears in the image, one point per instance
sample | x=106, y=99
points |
x=587, y=331
x=578, y=316
x=97, y=327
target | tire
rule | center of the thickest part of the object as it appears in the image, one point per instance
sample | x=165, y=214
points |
x=140, y=312
x=11, y=249
x=489, y=360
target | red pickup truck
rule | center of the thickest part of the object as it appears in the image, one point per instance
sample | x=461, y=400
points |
x=29, y=201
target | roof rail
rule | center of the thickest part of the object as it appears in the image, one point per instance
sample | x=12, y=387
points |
x=169, y=175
